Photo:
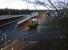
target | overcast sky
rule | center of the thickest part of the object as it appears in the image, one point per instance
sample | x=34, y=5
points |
x=20, y=4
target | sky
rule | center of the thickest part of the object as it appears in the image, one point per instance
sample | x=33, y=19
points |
x=20, y=4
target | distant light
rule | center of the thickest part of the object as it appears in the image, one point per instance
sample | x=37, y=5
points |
x=9, y=40
x=1, y=39
x=12, y=48
x=34, y=19
x=1, y=49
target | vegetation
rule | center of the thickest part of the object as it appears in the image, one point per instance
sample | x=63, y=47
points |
x=59, y=23
x=14, y=12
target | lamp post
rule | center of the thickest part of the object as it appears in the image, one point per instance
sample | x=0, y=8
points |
x=9, y=11
x=5, y=39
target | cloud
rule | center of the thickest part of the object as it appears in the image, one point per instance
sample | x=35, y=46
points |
x=13, y=4
x=20, y=4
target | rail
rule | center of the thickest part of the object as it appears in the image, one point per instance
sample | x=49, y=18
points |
x=29, y=17
x=19, y=38
x=10, y=22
